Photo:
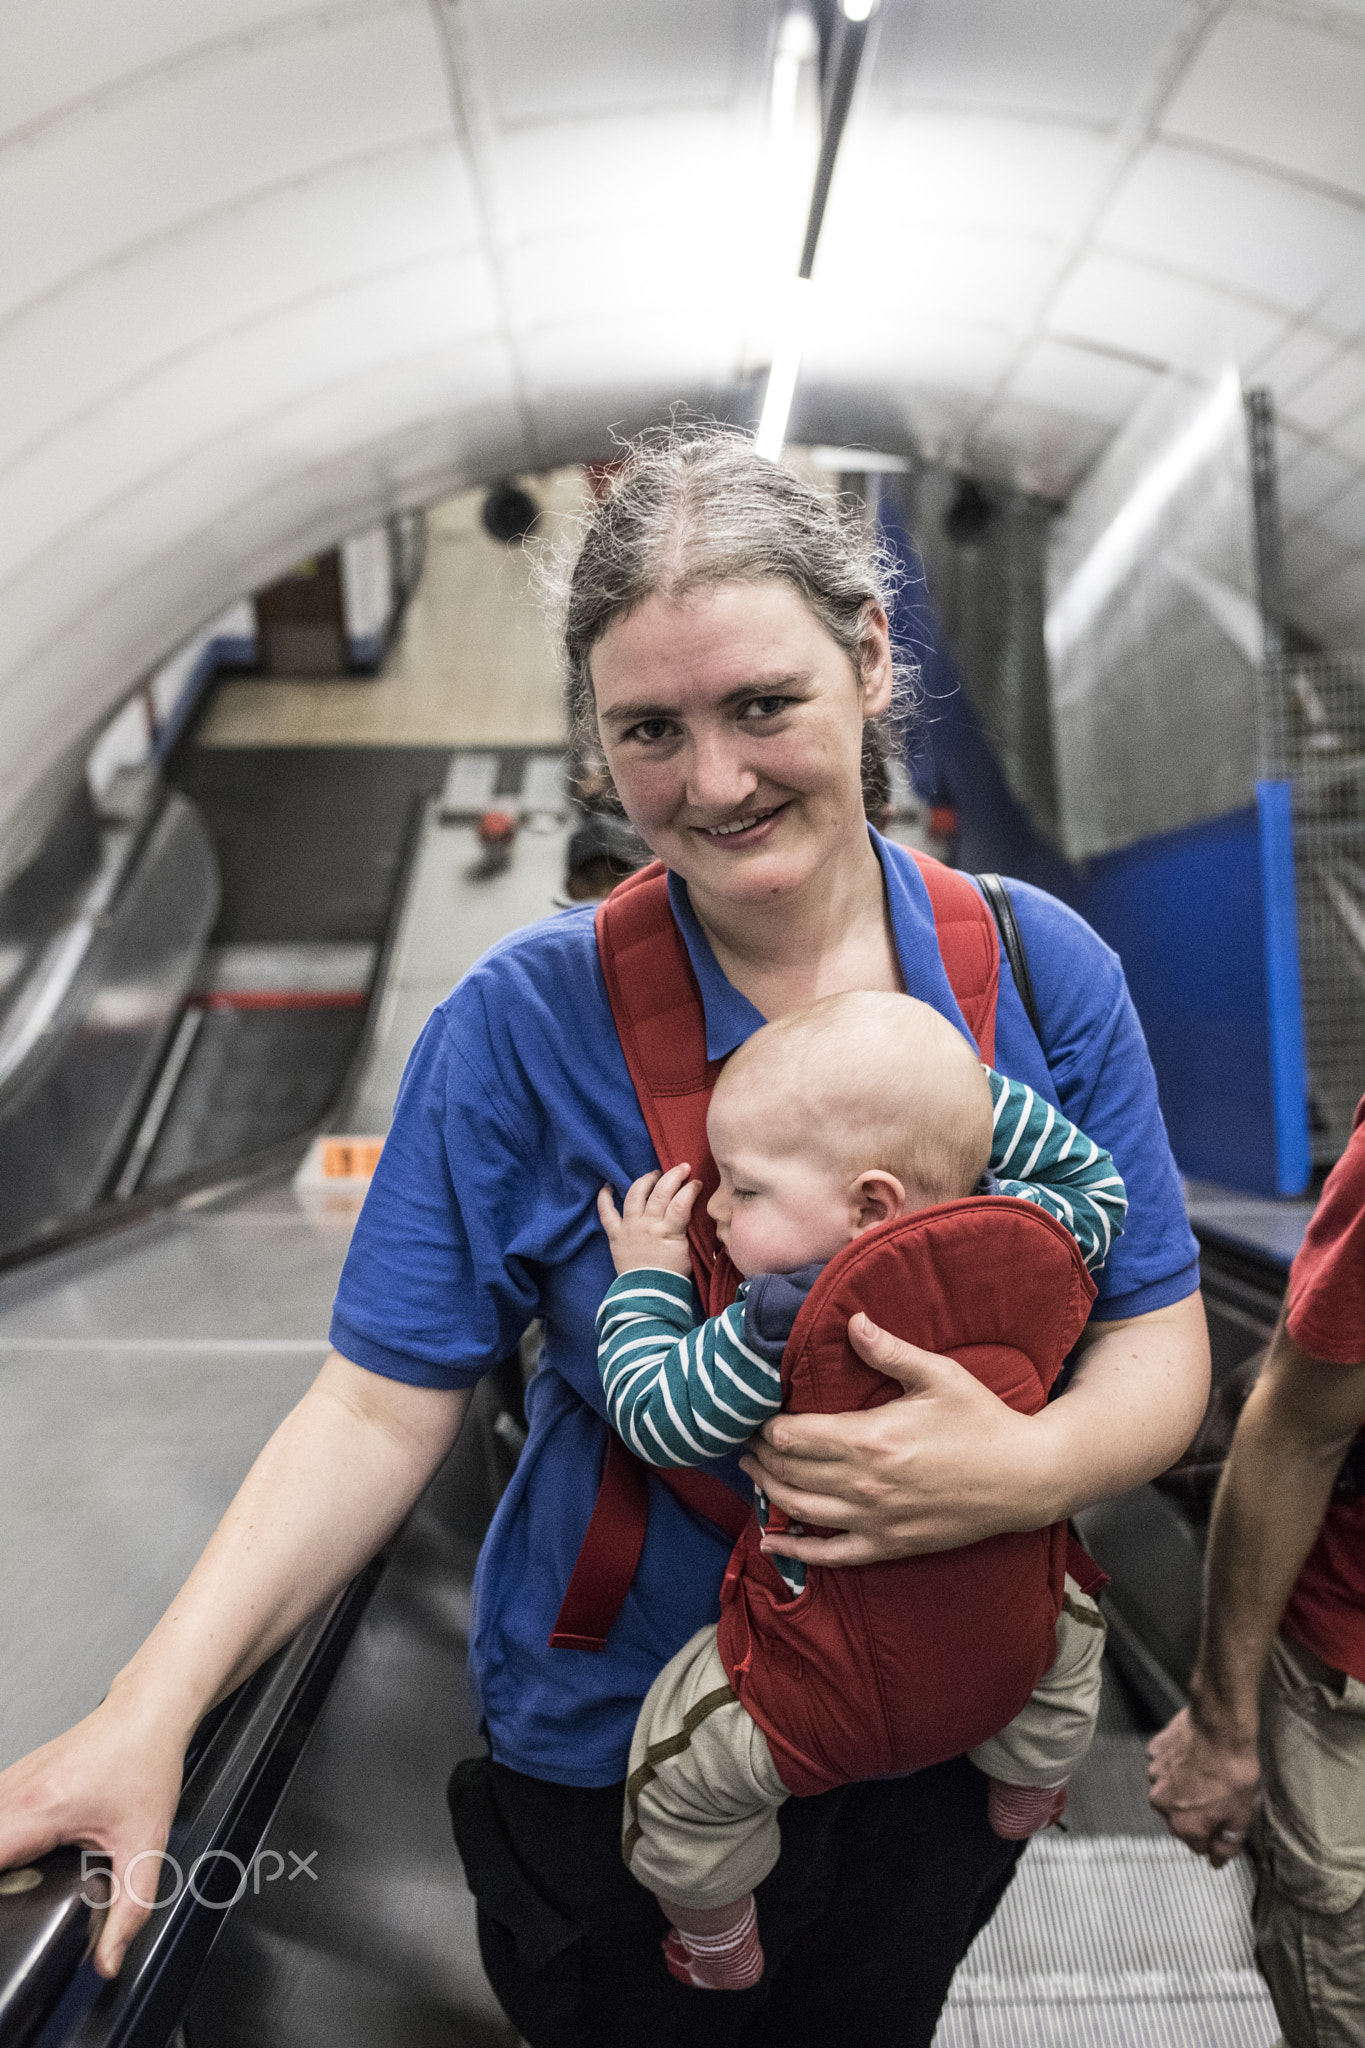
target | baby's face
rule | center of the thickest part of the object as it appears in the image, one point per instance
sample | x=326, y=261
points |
x=773, y=1211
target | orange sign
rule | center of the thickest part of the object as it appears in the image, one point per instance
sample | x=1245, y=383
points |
x=350, y=1158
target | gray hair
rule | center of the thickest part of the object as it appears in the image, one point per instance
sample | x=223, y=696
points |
x=692, y=504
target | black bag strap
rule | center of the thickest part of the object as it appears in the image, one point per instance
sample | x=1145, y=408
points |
x=1012, y=945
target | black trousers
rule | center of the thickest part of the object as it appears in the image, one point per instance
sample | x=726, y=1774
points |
x=874, y=1901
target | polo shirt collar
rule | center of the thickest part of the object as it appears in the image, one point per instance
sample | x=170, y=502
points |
x=731, y=1017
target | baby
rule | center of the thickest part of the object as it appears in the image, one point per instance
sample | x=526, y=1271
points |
x=854, y=1111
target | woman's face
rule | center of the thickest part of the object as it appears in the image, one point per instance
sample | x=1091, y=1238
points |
x=732, y=725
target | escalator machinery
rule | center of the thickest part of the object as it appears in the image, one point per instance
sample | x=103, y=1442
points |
x=1151, y=1541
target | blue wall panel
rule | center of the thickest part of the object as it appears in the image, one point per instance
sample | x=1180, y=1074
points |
x=1284, y=986
x=1203, y=920
x=1185, y=912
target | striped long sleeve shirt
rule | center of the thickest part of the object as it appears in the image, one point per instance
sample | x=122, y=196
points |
x=680, y=1392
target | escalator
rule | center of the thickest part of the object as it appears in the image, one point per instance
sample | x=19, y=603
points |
x=1151, y=1541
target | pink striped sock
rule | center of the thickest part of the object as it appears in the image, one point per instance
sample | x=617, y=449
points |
x=729, y=1961
x=1017, y=1811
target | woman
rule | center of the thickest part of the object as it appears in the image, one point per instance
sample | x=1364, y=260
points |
x=727, y=641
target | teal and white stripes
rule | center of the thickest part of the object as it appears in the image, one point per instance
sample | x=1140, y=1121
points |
x=1041, y=1157
x=679, y=1393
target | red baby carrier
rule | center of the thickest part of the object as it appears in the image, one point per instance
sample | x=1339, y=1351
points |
x=883, y=1668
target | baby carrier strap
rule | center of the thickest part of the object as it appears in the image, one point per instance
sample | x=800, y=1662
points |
x=606, y=1563
x=657, y=1008
x=969, y=946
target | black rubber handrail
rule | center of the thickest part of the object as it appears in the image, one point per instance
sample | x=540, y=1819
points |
x=237, y=1771
x=43, y=1934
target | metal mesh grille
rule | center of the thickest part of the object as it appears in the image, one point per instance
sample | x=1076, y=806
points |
x=1314, y=733
x=1168, y=685
x=1154, y=629
x=983, y=556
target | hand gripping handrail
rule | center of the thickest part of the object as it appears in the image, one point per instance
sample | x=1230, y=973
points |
x=236, y=1772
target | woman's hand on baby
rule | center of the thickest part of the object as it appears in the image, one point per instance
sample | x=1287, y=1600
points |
x=651, y=1229
x=948, y=1463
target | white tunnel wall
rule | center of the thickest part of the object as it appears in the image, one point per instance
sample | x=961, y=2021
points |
x=270, y=273
x=265, y=283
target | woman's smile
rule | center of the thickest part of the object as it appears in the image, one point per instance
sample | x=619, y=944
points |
x=745, y=829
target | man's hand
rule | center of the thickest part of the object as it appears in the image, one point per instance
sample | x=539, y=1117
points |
x=1294, y=1431
x=1204, y=1786
x=651, y=1229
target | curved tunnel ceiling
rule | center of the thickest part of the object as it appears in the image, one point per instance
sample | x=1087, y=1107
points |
x=270, y=272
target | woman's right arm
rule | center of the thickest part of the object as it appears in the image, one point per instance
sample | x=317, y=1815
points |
x=334, y=1482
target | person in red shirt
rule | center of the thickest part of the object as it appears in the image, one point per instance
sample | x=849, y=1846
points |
x=1270, y=1752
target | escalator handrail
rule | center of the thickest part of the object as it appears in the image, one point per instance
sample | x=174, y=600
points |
x=237, y=1770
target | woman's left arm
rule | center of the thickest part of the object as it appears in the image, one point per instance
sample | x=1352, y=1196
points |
x=950, y=1463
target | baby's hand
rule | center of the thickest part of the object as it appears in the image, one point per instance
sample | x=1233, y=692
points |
x=652, y=1227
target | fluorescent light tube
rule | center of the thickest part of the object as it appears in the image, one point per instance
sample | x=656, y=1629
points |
x=777, y=401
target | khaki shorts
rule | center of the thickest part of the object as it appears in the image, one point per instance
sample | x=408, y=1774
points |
x=1308, y=1847
x=702, y=1795
x=1050, y=1737
x=702, y=1798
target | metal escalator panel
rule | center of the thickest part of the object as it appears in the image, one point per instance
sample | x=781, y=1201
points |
x=206, y=1320
x=1113, y=1942
x=376, y=1942
x=252, y=1077
x=1151, y=1541
x=100, y=1008
x=139, y=1376
x=1154, y=1557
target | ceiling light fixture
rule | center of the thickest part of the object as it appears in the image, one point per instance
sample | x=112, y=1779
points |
x=859, y=461
x=777, y=399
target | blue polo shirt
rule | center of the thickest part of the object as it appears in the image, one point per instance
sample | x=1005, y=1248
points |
x=515, y=1108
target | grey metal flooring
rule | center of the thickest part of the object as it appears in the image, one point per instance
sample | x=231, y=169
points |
x=451, y=916
x=139, y=1376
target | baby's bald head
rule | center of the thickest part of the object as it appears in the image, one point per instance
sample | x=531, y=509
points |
x=861, y=1081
